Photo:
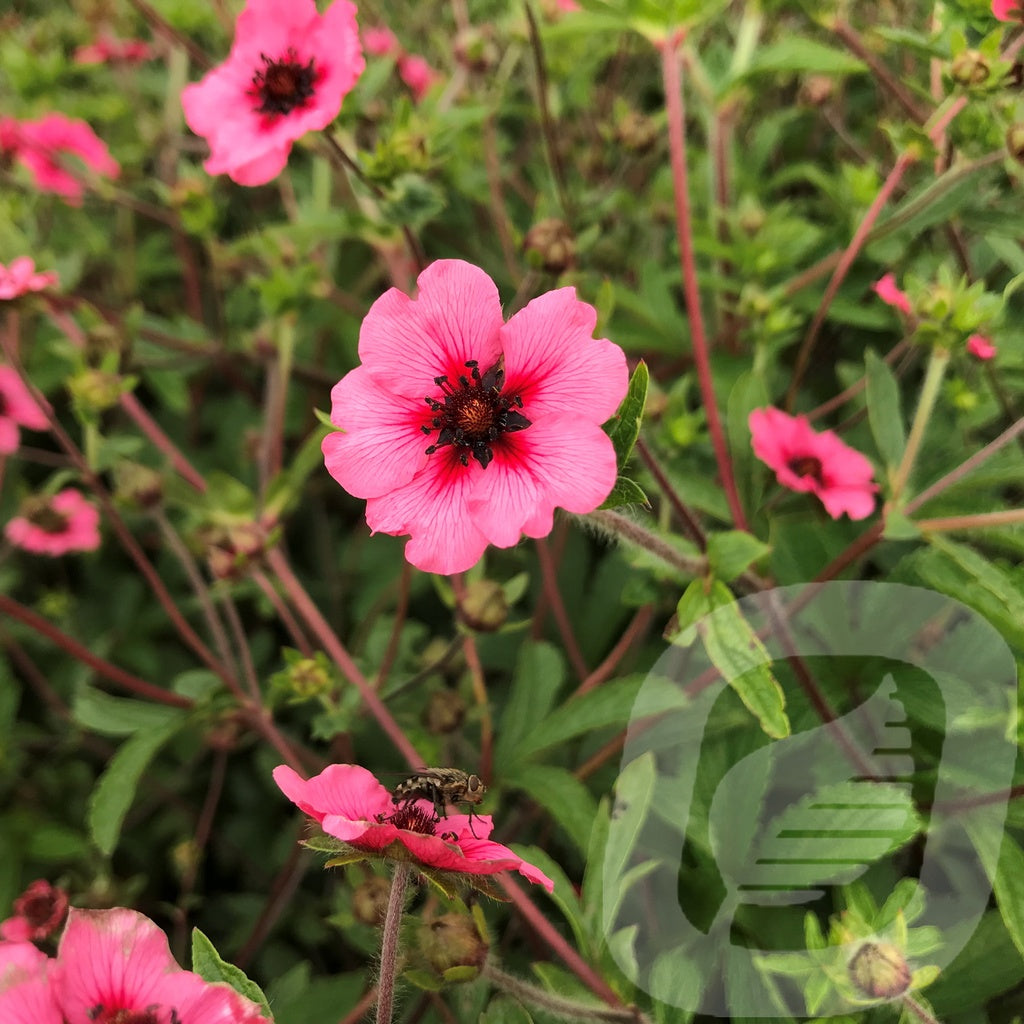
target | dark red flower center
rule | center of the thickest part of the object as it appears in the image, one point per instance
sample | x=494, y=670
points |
x=807, y=465
x=283, y=84
x=48, y=519
x=120, y=1015
x=411, y=818
x=43, y=907
x=474, y=413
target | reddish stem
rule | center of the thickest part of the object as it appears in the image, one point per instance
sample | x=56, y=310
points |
x=549, y=579
x=634, y=631
x=684, y=231
x=155, y=433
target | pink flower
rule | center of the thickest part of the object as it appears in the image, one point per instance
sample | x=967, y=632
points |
x=38, y=912
x=287, y=73
x=109, y=49
x=351, y=805
x=981, y=347
x=21, y=277
x=567, y=5
x=464, y=431
x=42, y=147
x=804, y=460
x=54, y=526
x=115, y=966
x=417, y=74
x=886, y=290
x=17, y=409
x=26, y=996
x=380, y=41
x=1007, y=10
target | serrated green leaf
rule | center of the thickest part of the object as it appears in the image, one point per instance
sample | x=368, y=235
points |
x=884, y=413
x=795, y=53
x=118, y=716
x=625, y=492
x=624, y=426
x=115, y=789
x=207, y=963
x=731, y=553
x=561, y=794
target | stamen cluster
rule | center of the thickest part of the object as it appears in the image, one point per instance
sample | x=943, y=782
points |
x=283, y=84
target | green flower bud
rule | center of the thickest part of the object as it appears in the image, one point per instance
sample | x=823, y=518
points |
x=879, y=970
x=370, y=900
x=1015, y=142
x=969, y=68
x=95, y=391
x=453, y=941
x=444, y=712
x=550, y=245
x=483, y=608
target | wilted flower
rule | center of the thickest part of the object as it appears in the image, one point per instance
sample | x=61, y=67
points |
x=886, y=289
x=350, y=804
x=54, y=526
x=38, y=912
x=21, y=277
x=464, y=431
x=981, y=347
x=287, y=73
x=805, y=460
x=17, y=409
x=417, y=74
x=42, y=146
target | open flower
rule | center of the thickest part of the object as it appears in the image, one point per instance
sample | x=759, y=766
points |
x=464, y=431
x=21, y=277
x=287, y=73
x=17, y=409
x=888, y=291
x=54, y=526
x=805, y=460
x=43, y=146
x=981, y=347
x=26, y=996
x=115, y=966
x=1007, y=10
x=38, y=912
x=350, y=804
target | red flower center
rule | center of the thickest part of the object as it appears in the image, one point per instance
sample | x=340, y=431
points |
x=411, y=818
x=475, y=413
x=103, y=1015
x=283, y=84
x=43, y=908
x=807, y=465
x=48, y=519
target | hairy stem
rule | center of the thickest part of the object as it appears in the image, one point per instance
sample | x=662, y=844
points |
x=549, y=1002
x=626, y=529
x=925, y=406
x=389, y=944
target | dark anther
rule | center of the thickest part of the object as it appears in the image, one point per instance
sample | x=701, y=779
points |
x=283, y=84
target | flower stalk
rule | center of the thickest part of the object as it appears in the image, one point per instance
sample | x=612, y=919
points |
x=389, y=944
x=925, y=406
x=557, y=1006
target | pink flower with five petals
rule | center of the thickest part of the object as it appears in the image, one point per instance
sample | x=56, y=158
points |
x=17, y=409
x=21, y=277
x=462, y=430
x=54, y=526
x=26, y=996
x=350, y=804
x=805, y=460
x=287, y=73
x=38, y=912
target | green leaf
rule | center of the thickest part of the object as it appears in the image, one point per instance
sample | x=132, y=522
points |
x=115, y=789
x=624, y=427
x=207, y=963
x=285, y=490
x=1008, y=877
x=539, y=675
x=625, y=492
x=560, y=793
x=730, y=553
x=505, y=1010
x=794, y=53
x=118, y=716
x=884, y=414
x=325, y=419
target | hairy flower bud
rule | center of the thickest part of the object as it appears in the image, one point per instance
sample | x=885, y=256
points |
x=476, y=50
x=969, y=68
x=550, y=244
x=95, y=391
x=636, y=132
x=453, y=941
x=139, y=485
x=879, y=970
x=483, y=608
x=444, y=712
x=1015, y=142
x=370, y=900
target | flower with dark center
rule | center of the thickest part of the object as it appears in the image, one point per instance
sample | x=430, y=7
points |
x=38, y=912
x=807, y=465
x=54, y=526
x=474, y=414
x=289, y=69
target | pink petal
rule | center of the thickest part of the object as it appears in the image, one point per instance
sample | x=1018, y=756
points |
x=406, y=343
x=247, y=166
x=856, y=502
x=9, y=436
x=271, y=26
x=26, y=996
x=554, y=364
x=1007, y=10
x=888, y=292
x=981, y=347
x=383, y=447
x=346, y=792
x=434, y=509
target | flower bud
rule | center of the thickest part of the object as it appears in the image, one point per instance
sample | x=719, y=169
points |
x=549, y=244
x=444, y=712
x=969, y=68
x=817, y=90
x=235, y=549
x=636, y=132
x=95, y=391
x=879, y=971
x=483, y=608
x=138, y=485
x=370, y=900
x=1015, y=142
x=452, y=940
x=309, y=678
x=476, y=50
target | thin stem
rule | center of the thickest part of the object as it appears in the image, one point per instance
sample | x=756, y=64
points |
x=479, y=682
x=549, y=579
x=244, y=654
x=628, y=530
x=284, y=613
x=389, y=943
x=687, y=519
x=637, y=627
x=557, y=1006
x=391, y=651
x=155, y=433
x=163, y=27
x=851, y=252
x=320, y=628
x=919, y=1011
x=857, y=386
x=684, y=231
x=979, y=520
x=925, y=405
x=499, y=209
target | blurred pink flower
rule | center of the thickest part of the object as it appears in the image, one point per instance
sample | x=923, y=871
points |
x=981, y=347
x=1007, y=10
x=41, y=146
x=417, y=74
x=885, y=288
x=109, y=49
x=380, y=41
x=805, y=460
x=10, y=134
x=464, y=431
x=115, y=966
x=54, y=526
x=350, y=804
x=567, y=5
x=21, y=277
x=17, y=409
x=38, y=912
x=26, y=996
x=287, y=73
